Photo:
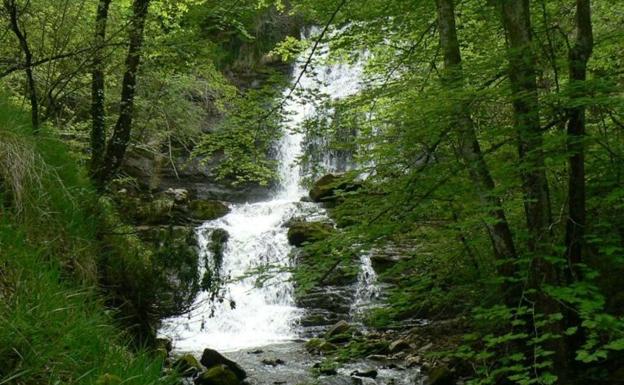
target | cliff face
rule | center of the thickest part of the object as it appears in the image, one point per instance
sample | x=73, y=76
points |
x=249, y=67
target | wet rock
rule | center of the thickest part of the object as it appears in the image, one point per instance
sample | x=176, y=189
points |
x=187, y=365
x=164, y=343
x=257, y=351
x=207, y=210
x=218, y=240
x=413, y=361
x=341, y=327
x=369, y=373
x=218, y=375
x=363, y=381
x=273, y=361
x=179, y=195
x=398, y=346
x=302, y=232
x=212, y=358
x=440, y=375
x=328, y=370
x=325, y=188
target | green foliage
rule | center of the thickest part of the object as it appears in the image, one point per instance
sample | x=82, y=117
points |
x=244, y=138
x=54, y=327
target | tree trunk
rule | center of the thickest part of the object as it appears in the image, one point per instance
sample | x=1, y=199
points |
x=98, y=113
x=579, y=56
x=470, y=150
x=522, y=74
x=118, y=143
x=13, y=12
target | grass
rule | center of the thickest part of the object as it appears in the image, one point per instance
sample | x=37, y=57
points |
x=54, y=325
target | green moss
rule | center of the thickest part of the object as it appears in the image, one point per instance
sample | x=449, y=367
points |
x=307, y=232
x=217, y=375
x=207, y=210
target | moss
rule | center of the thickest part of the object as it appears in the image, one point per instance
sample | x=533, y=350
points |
x=187, y=365
x=217, y=375
x=307, y=232
x=207, y=210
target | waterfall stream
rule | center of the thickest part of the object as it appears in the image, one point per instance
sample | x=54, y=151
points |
x=260, y=309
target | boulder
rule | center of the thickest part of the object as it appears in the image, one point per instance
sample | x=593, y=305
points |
x=164, y=343
x=207, y=210
x=212, y=358
x=179, y=195
x=325, y=188
x=159, y=211
x=187, y=365
x=273, y=361
x=319, y=345
x=440, y=375
x=302, y=232
x=341, y=327
x=398, y=346
x=369, y=373
x=218, y=375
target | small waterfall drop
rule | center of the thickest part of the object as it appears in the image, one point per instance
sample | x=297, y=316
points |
x=259, y=306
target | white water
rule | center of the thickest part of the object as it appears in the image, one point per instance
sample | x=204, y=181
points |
x=264, y=313
x=367, y=288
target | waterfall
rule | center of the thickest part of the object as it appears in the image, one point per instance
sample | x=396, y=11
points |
x=259, y=309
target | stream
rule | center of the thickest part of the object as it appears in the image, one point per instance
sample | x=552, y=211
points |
x=258, y=320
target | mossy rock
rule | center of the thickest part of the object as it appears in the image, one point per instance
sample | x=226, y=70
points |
x=326, y=187
x=320, y=345
x=187, y=365
x=207, y=210
x=218, y=375
x=307, y=232
x=341, y=327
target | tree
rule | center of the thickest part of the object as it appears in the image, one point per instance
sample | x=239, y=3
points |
x=578, y=57
x=469, y=147
x=522, y=75
x=13, y=11
x=98, y=113
x=118, y=143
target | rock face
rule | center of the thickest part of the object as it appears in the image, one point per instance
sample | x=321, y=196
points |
x=211, y=358
x=198, y=176
x=305, y=232
x=170, y=207
x=218, y=375
x=325, y=188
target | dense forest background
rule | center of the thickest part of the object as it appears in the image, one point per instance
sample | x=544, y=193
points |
x=487, y=145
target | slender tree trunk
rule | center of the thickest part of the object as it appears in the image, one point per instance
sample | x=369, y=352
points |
x=98, y=113
x=118, y=143
x=522, y=74
x=13, y=12
x=579, y=56
x=470, y=150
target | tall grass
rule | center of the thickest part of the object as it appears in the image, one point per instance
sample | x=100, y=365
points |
x=54, y=327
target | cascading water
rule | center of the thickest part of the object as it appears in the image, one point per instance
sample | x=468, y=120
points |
x=260, y=313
